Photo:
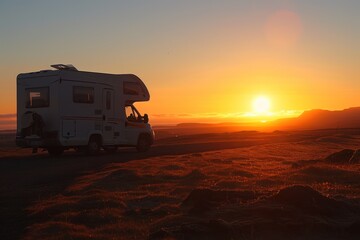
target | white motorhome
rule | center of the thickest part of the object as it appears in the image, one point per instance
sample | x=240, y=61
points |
x=66, y=108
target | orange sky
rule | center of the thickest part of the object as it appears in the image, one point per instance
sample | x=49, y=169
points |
x=205, y=61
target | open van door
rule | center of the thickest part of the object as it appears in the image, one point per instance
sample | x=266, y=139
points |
x=108, y=126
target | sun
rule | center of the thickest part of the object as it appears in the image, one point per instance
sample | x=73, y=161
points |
x=261, y=105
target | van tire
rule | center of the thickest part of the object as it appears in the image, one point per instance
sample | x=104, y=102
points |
x=144, y=143
x=94, y=145
x=55, y=151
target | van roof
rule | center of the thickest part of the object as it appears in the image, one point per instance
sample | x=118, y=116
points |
x=71, y=74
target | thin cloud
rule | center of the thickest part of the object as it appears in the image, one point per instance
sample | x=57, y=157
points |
x=7, y=116
x=7, y=121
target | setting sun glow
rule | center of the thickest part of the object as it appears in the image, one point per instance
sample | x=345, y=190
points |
x=261, y=105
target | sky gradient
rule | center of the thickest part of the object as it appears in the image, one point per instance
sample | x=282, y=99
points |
x=202, y=60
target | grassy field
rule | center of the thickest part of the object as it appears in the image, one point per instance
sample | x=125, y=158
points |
x=244, y=185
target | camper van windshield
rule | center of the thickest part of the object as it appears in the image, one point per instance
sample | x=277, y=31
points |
x=37, y=97
x=132, y=114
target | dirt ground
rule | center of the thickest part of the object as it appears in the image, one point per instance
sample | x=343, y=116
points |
x=242, y=185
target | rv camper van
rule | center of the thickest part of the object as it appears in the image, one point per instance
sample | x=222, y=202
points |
x=66, y=108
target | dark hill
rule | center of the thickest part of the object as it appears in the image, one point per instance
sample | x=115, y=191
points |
x=321, y=119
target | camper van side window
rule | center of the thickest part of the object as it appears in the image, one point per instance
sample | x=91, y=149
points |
x=83, y=94
x=37, y=97
x=132, y=88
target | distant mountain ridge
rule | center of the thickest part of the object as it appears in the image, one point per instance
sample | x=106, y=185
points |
x=308, y=120
x=321, y=119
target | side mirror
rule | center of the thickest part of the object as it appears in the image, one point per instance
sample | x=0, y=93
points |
x=146, y=118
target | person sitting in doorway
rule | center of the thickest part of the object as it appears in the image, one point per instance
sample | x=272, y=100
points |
x=131, y=117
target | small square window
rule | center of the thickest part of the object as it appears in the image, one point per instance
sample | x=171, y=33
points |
x=37, y=97
x=83, y=94
x=132, y=88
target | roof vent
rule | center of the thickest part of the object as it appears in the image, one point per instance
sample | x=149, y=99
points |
x=64, y=67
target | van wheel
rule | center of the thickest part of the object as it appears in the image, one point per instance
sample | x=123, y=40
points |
x=55, y=151
x=143, y=144
x=94, y=145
